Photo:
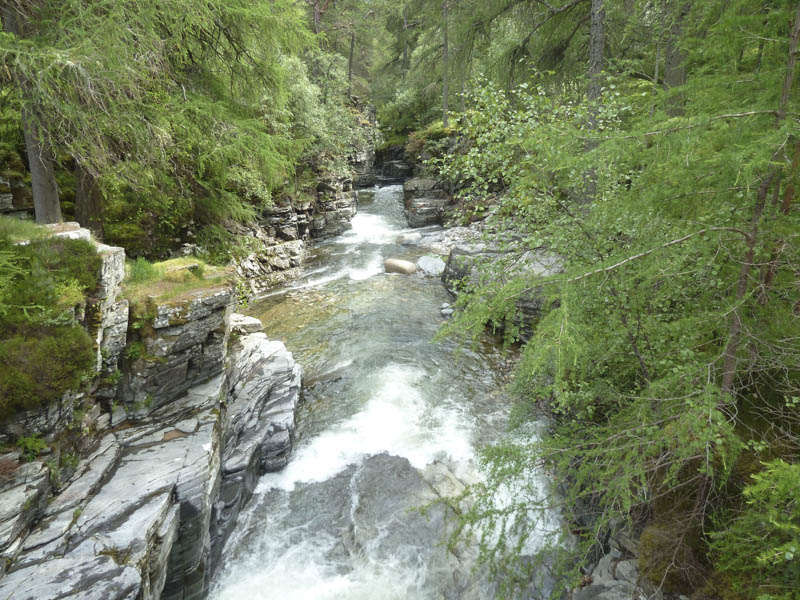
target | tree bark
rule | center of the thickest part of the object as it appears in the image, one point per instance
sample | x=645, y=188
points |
x=405, y=40
x=675, y=59
x=350, y=64
x=46, y=205
x=445, y=65
x=88, y=202
x=597, y=42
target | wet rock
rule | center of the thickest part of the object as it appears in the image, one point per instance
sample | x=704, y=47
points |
x=99, y=578
x=448, y=312
x=395, y=265
x=432, y=266
x=409, y=239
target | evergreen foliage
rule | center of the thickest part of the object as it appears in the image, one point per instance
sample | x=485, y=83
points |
x=667, y=353
x=43, y=353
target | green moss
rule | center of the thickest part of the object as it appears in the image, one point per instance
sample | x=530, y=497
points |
x=38, y=367
x=666, y=557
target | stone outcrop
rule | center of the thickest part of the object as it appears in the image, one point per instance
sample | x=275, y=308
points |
x=283, y=233
x=147, y=513
x=172, y=449
x=466, y=263
x=615, y=577
x=425, y=201
x=392, y=165
x=182, y=345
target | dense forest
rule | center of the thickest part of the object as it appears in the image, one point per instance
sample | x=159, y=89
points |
x=653, y=146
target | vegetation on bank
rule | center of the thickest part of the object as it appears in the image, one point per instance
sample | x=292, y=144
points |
x=43, y=283
x=668, y=351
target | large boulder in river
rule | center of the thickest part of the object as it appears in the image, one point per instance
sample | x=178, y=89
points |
x=395, y=265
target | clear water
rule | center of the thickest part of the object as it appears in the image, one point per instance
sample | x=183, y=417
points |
x=340, y=521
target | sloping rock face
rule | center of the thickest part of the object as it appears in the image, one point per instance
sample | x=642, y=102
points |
x=425, y=201
x=466, y=262
x=147, y=513
x=284, y=232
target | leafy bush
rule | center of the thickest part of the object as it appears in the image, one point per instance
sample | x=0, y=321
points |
x=142, y=270
x=759, y=548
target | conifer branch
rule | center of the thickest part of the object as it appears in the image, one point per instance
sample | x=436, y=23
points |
x=638, y=256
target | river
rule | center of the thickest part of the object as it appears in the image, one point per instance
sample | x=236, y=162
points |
x=389, y=416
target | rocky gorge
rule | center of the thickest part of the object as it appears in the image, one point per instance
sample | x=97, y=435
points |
x=172, y=450
x=192, y=404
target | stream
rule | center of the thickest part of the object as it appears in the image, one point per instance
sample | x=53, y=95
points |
x=390, y=418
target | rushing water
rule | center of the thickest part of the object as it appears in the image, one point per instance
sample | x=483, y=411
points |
x=383, y=403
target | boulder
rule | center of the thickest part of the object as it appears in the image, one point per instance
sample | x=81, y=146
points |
x=432, y=266
x=395, y=265
x=243, y=325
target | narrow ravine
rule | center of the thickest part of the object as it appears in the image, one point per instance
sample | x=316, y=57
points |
x=390, y=419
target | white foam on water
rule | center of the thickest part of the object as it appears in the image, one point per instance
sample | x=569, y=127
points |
x=395, y=419
x=370, y=229
x=300, y=571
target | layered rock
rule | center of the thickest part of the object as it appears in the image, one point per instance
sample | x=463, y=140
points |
x=391, y=164
x=147, y=513
x=468, y=263
x=425, y=201
x=183, y=344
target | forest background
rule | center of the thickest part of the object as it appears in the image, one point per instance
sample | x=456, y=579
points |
x=652, y=145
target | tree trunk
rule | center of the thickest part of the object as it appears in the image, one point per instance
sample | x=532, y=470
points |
x=597, y=43
x=675, y=59
x=46, y=204
x=405, y=40
x=596, y=55
x=445, y=65
x=350, y=64
x=88, y=202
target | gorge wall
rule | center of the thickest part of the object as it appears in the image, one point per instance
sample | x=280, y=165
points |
x=172, y=447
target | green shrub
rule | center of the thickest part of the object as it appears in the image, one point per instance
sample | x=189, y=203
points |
x=31, y=446
x=142, y=270
x=759, y=551
x=43, y=353
x=36, y=369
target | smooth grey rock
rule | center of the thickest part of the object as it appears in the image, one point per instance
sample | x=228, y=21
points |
x=242, y=324
x=604, y=570
x=445, y=305
x=448, y=312
x=431, y=265
x=97, y=578
x=610, y=590
x=395, y=265
x=409, y=239
x=627, y=570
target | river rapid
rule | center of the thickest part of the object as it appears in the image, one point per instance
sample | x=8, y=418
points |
x=390, y=418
